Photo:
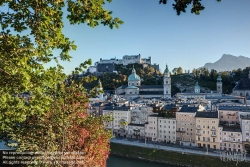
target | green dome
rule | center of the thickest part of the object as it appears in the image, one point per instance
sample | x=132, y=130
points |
x=197, y=86
x=134, y=76
x=219, y=79
x=166, y=70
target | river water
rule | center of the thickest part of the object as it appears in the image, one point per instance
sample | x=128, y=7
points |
x=115, y=161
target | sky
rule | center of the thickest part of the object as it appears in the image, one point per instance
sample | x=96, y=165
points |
x=188, y=41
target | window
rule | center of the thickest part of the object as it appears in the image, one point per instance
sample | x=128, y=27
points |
x=203, y=138
x=213, y=139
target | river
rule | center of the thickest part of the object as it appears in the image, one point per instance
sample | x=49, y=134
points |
x=115, y=161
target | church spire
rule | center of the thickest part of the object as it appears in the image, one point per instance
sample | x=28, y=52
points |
x=166, y=69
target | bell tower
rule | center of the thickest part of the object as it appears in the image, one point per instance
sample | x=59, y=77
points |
x=166, y=84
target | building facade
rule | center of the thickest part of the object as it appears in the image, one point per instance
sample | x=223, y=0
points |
x=166, y=130
x=151, y=128
x=185, y=123
x=207, y=131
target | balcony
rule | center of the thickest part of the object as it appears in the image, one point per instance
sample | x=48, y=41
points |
x=181, y=131
x=213, y=135
x=198, y=128
x=198, y=134
x=213, y=129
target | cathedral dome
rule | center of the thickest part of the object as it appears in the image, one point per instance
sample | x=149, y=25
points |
x=134, y=76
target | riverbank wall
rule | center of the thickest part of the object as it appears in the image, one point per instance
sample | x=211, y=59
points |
x=171, y=157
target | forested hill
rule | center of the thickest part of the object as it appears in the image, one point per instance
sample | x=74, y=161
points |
x=180, y=82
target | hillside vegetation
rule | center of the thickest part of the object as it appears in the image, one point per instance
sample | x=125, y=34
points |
x=180, y=82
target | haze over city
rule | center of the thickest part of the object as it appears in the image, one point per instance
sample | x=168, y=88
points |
x=155, y=30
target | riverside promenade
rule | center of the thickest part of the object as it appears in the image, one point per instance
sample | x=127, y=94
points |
x=181, y=149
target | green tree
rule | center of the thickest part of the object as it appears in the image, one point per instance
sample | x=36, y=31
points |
x=181, y=5
x=175, y=71
x=30, y=31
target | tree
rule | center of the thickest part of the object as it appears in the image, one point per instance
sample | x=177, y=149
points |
x=194, y=72
x=66, y=127
x=179, y=70
x=175, y=71
x=30, y=31
x=180, y=6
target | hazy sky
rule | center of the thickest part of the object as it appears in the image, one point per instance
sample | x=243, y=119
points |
x=155, y=30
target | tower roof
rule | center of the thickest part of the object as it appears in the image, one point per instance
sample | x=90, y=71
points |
x=197, y=86
x=134, y=76
x=219, y=78
x=166, y=69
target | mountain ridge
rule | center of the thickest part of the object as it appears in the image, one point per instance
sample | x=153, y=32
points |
x=229, y=62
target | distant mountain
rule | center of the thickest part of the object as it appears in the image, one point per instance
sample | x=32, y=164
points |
x=228, y=63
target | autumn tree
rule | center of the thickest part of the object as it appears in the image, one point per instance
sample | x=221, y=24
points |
x=179, y=70
x=30, y=32
x=66, y=128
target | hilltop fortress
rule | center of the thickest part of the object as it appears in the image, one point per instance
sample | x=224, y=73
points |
x=108, y=65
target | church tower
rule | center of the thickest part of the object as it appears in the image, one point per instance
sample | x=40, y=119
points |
x=166, y=83
x=219, y=84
